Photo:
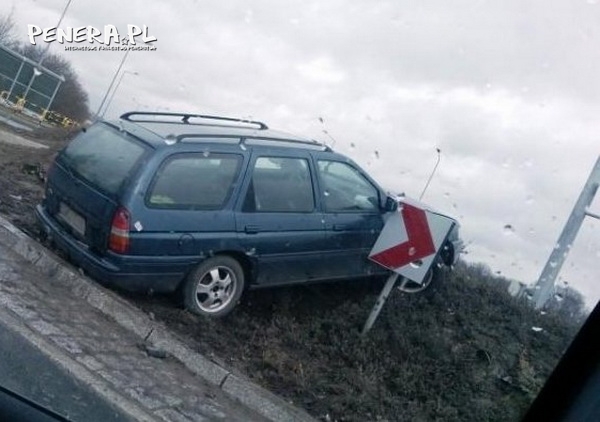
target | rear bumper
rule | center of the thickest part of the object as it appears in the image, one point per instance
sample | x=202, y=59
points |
x=160, y=274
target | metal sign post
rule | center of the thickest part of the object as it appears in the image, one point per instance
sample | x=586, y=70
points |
x=408, y=246
x=389, y=285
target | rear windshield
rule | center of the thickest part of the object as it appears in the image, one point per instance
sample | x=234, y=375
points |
x=103, y=156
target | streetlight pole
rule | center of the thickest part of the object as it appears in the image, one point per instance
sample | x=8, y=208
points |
x=432, y=173
x=111, y=84
x=115, y=90
x=544, y=287
x=37, y=72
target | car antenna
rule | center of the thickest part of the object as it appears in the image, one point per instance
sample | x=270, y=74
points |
x=439, y=156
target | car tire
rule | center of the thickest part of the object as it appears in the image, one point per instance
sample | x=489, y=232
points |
x=433, y=279
x=215, y=287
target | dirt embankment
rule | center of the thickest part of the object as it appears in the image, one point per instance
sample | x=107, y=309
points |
x=22, y=172
x=465, y=353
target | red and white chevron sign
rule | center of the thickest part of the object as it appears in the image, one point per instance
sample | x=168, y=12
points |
x=410, y=240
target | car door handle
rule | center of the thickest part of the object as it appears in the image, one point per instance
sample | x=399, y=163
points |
x=340, y=227
x=251, y=229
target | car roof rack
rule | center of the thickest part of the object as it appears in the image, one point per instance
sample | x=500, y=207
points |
x=253, y=140
x=185, y=119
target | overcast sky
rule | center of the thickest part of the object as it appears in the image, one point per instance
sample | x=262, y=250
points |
x=509, y=90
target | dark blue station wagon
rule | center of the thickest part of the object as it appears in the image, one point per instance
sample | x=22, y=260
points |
x=211, y=206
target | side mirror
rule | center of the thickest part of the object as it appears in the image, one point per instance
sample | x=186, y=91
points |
x=390, y=204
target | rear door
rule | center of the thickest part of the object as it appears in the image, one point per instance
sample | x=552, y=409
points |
x=87, y=179
x=278, y=223
x=187, y=209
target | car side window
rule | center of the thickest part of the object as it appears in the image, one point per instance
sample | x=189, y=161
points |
x=194, y=181
x=345, y=189
x=280, y=184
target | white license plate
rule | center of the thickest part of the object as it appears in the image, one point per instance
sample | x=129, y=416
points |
x=73, y=219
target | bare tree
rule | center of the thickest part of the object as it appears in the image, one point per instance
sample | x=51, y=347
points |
x=7, y=30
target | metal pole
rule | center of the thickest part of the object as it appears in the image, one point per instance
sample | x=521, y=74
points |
x=385, y=292
x=43, y=56
x=12, y=86
x=57, y=25
x=115, y=90
x=53, y=95
x=545, y=284
x=439, y=156
x=35, y=73
x=111, y=84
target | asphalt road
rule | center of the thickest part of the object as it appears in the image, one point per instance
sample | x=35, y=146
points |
x=28, y=372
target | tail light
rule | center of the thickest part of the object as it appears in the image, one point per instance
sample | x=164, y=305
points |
x=119, y=232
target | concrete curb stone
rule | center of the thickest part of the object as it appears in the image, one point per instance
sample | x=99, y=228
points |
x=128, y=316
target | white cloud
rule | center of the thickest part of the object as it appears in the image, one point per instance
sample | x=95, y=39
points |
x=321, y=70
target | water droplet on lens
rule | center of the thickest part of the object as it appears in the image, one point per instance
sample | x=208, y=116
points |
x=352, y=146
x=206, y=153
x=508, y=229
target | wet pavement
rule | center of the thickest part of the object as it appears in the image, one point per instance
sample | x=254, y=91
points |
x=115, y=374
